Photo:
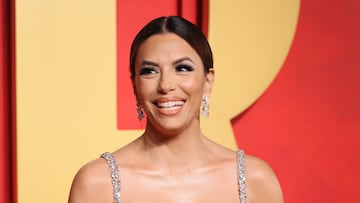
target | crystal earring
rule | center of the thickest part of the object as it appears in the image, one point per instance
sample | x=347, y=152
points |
x=140, y=113
x=205, y=107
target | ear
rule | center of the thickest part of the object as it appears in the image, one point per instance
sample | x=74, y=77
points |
x=209, y=81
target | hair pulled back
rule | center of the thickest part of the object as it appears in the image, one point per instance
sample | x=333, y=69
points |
x=182, y=28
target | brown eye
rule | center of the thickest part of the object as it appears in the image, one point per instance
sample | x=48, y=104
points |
x=148, y=71
x=184, y=68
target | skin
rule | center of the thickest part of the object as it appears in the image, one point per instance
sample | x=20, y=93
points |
x=173, y=161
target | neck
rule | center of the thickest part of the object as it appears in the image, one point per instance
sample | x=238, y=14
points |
x=177, y=150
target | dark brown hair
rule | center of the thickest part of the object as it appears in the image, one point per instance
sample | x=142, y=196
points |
x=179, y=26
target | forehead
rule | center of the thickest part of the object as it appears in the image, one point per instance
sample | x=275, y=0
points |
x=167, y=45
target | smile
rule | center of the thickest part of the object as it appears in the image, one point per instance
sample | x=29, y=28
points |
x=170, y=106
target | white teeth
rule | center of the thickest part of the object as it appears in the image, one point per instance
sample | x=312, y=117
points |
x=171, y=104
x=170, y=108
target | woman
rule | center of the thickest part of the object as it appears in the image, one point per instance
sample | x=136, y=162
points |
x=172, y=74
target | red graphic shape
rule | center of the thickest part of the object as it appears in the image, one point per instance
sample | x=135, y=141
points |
x=131, y=17
x=307, y=124
x=7, y=103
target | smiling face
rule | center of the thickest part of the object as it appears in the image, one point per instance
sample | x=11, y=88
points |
x=170, y=83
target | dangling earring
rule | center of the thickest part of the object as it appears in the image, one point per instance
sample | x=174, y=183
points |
x=140, y=113
x=205, y=107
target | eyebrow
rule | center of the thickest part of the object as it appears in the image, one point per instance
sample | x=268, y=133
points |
x=150, y=63
x=183, y=59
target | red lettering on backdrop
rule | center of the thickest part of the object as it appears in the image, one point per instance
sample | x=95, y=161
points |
x=307, y=124
x=131, y=17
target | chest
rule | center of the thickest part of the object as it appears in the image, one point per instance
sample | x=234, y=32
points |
x=214, y=184
x=215, y=187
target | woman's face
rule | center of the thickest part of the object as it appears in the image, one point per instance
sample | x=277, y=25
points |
x=170, y=82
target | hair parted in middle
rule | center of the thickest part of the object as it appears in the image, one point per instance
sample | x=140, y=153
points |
x=179, y=26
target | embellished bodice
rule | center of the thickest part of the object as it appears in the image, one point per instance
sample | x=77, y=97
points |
x=116, y=184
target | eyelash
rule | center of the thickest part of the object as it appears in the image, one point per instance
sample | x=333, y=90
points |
x=148, y=71
x=178, y=68
x=184, y=68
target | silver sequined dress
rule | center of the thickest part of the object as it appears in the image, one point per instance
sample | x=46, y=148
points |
x=241, y=178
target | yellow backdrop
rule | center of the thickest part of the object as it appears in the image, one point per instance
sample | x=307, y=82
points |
x=66, y=80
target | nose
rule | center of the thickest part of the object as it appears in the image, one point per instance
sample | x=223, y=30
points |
x=167, y=83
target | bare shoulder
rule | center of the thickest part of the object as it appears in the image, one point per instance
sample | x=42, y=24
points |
x=92, y=183
x=262, y=183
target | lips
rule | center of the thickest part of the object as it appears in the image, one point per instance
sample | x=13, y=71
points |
x=169, y=106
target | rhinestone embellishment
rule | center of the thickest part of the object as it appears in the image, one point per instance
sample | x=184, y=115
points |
x=241, y=175
x=115, y=179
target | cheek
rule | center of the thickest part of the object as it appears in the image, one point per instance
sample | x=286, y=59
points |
x=192, y=85
x=143, y=88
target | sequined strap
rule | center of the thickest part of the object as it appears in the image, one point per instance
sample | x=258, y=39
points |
x=241, y=175
x=114, y=176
